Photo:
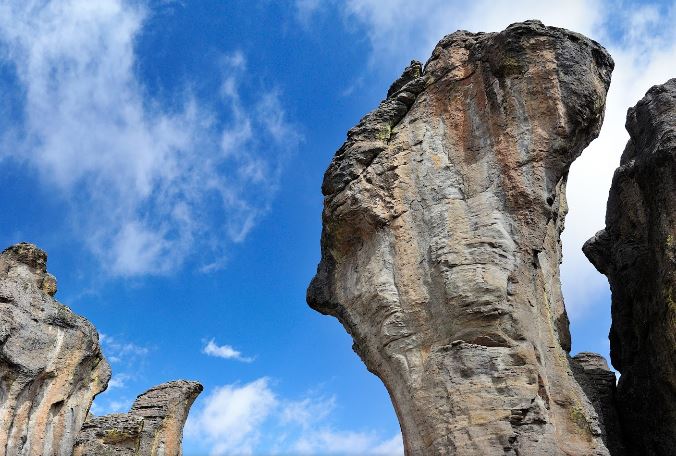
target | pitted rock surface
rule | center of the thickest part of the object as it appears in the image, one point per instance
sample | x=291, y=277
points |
x=440, y=241
x=153, y=426
x=637, y=252
x=51, y=365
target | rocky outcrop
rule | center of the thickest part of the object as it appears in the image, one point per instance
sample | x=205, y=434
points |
x=637, y=252
x=51, y=365
x=153, y=427
x=440, y=241
x=598, y=383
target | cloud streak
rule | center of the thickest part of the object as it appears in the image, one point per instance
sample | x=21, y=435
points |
x=146, y=182
x=224, y=351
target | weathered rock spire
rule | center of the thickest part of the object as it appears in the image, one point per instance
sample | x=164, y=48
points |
x=637, y=251
x=440, y=241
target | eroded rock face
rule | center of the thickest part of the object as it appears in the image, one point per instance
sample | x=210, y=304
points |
x=51, y=365
x=153, y=426
x=440, y=241
x=637, y=252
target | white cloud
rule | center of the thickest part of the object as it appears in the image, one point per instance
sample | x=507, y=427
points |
x=118, y=381
x=253, y=419
x=231, y=417
x=146, y=182
x=224, y=351
x=641, y=39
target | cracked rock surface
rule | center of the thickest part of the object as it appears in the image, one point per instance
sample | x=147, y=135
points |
x=440, y=241
x=637, y=252
x=51, y=365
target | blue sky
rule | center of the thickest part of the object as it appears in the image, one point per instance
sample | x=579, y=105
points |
x=168, y=156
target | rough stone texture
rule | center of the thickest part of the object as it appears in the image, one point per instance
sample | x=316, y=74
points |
x=51, y=365
x=598, y=382
x=111, y=435
x=153, y=426
x=637, y=252
x=440, y=241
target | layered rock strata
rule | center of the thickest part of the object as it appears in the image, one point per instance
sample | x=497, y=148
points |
x=637, y=252
x=51, y=365
x=440, y=241
x=153, y=427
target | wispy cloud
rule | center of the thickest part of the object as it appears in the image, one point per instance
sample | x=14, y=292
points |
x=146, y=182
x=120, y=351
x=254, y=419
x=224, y=351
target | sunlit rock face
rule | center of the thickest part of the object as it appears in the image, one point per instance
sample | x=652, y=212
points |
x=637, y=251
x=153, y=426
x=51, y=365
x=440, y=241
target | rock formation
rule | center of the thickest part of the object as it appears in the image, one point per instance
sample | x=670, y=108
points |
x=51, y=365
x=598, y=383
x=440, y=241
x=637, y=251
x=153, y=427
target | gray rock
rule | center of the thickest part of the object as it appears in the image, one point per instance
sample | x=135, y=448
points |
x=440, y=242
x=153, y=426
x=111, y=435
x=598, y=382
x=51, y=365
x=637, y=252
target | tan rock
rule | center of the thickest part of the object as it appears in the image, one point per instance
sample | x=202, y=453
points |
x=440, y=242
x=153, y=426
x=51, y=365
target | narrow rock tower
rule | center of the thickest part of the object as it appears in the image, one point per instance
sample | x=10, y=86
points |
x=440, y=241
x=637, y=251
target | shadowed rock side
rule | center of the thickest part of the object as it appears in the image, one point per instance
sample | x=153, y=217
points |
x=153, y=426
x=637, y=252
x=440, y=241
x=598, y=383
x=51, y=365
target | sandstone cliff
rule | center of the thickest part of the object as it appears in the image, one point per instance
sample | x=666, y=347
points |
x=153, y=426
x=51, y=365
x=440, y=242
x=637, y=251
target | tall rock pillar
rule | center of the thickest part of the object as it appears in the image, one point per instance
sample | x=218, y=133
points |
x=440, y=241
x=637, y=251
